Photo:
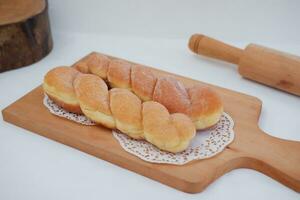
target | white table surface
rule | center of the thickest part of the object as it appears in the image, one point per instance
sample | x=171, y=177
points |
x=34, y=167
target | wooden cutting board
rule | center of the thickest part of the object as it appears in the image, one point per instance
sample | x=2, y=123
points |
x=252, y=148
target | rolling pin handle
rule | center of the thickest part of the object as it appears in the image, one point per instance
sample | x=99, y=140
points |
x=203, y=45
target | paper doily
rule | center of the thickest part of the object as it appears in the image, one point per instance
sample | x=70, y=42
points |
x=205, y=144
x=59, y=111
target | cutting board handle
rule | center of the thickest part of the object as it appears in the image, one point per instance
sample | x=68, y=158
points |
x=277, y=158
x=204, y=45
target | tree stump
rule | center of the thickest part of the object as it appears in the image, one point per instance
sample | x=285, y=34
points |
x=25, y=35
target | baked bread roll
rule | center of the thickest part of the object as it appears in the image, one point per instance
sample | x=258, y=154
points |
x=58, y=85
x=92, y=95
x=201, y=104
x=120, y=109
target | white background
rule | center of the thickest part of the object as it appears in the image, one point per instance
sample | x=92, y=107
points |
x=154, y=33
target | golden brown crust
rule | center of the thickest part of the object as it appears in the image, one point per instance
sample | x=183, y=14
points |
x=82, y=67
x=118, y=73
x=206, y=107
x=61, y=78
x=149, y=120
x=122, y=109
x=204, y=101
x=98, y=65
x=142, y=82
x=58, y=85
x=172, y=94
x=183, y=126
x=202, y=105
x=167, y=132
x=92, y=94
x=127, y=111
x=158, y=128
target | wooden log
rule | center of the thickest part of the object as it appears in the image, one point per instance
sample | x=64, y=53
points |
x=25, y=35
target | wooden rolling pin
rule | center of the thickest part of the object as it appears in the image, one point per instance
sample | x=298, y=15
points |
x=268, y=66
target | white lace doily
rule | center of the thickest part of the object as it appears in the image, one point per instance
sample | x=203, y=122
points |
x=59, y=111
x=205, y=145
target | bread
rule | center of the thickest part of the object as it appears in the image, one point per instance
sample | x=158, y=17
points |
x=168, y=132
x=126, y=108
x=92, y=95
x=201, y=104
x=120, y=109
x=58, y=85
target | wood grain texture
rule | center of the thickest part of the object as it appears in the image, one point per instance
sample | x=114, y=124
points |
x=264, y=65
x=252, y=148
x=201, y=44
x=25, y=35
x=271, y=67
x=12, y=11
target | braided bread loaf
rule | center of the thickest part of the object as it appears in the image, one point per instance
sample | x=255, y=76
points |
x=201, y=104
x=118, y=109
x=58, y=85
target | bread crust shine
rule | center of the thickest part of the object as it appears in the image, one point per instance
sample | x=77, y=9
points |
x=92, y=94
x=201, y=104
x=121, y=109
x=58, y=85
x=158, y=109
